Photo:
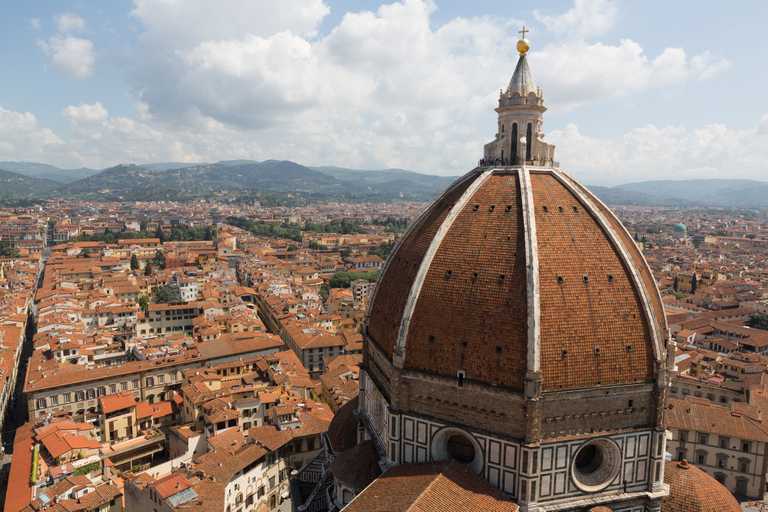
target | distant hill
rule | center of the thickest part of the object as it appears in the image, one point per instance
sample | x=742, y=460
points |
x=177, y=180
x=164, y=166
x=389, y=180
x=47, y=172
x=135, y=182
x=167, y=181
x=619, y=196
x=714, y=192
x=16, y=185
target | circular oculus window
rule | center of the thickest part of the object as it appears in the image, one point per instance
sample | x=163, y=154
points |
x=595, y=465
x=455, y=444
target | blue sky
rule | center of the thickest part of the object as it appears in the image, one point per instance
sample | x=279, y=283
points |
x=635, y=90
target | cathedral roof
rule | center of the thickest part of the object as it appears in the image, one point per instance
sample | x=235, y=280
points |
x=522, y=79
x=431, y=487
x=358, y=466
x=520, y=269
x=692, y=490
x=342, y=432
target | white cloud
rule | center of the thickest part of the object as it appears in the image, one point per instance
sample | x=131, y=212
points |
x=586, y=18
x=388, y=88
x=577, y=73
x=69, y=23
x=23, y=139
x=71, y=57
x=651, y=153
x=34, y=23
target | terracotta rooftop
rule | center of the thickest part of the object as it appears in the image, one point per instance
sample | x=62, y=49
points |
x=431, y=487
x=692, y=490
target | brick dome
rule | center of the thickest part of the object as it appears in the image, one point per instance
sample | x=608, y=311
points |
x=692, y=490
x=515, y=272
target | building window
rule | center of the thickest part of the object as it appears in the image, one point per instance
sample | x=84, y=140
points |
x=67, y=397
x=271, y=482
x=161, y=379
x=745, y=447
x=673, y=389
x=123, y=386
x=91, y=393
x=55, y=400
x=703, y=439
x=150, y=381
x=101, y=391
x=723, y=400
x=743, y=466
x=41, y=403
x=723, y=442
x=720, y=477
x=701, y=458
x=261, y=491
x=741, y=485
x=680, y=455
x=721, y=461
x=682, y=436
x=113, y=388
x=136, y=384
x=79, y=396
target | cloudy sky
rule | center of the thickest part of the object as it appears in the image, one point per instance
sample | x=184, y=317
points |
x=635, y=90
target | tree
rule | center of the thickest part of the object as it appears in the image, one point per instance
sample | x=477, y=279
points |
x=148, y=269
x=143, y=225
x=134, y=262
x=166, y=294
x=675, y=284
x=292, y=247
x=7, y=250
x=759, y=322
x=345, y=253
x=144, y=303
x=693, y=284
x=317, y=247
x=160, y=234
x=342, y=279
x=159, y=259
x=85, y=253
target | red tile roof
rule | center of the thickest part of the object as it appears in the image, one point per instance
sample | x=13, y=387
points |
x=431, y=487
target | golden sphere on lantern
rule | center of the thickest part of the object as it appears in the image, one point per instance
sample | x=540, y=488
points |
x=523, y=46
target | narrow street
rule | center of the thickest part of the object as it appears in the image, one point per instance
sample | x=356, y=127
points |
x=17, y=410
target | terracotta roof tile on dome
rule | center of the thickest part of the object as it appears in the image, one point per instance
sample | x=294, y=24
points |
x=404, y=262
x=582, y=308
x=470, y=301
x=431, y=487
x=342, y=432
x=358, y=466
x=490, y=243
x=692, y=490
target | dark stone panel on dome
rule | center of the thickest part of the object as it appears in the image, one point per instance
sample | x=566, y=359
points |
x=402, y=267
x=637, y=257
x=475, y=318
x=593, y=328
